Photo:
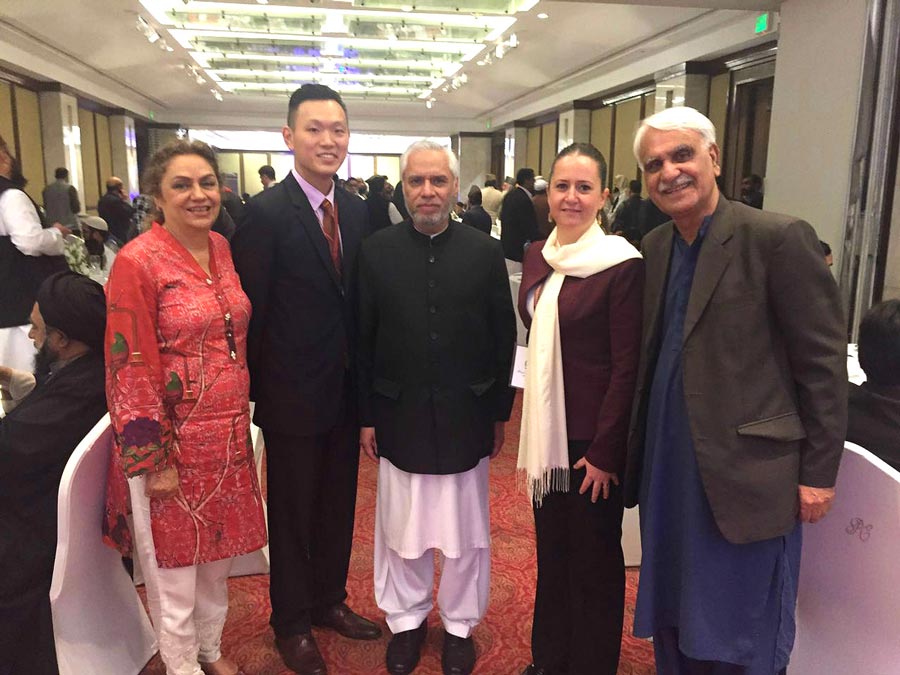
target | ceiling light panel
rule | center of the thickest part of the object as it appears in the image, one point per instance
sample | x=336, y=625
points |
x=393, y=49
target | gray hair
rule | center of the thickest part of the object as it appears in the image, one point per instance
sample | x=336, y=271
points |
x=680, y=118
x=433, y=146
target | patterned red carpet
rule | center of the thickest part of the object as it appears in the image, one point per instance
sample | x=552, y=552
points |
x=502, y=640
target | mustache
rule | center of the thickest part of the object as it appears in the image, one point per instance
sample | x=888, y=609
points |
x=678, y=182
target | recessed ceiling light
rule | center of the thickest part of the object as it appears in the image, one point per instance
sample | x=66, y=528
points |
x=543, y=15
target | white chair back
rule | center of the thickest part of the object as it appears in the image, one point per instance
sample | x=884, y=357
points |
x=848, y=601
x=99, y=622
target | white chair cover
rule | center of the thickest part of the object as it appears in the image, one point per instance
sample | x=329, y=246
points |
x=848, y=602
x=99, y=622
x=255, y=562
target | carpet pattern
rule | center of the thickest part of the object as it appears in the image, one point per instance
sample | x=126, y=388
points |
x=502, y=640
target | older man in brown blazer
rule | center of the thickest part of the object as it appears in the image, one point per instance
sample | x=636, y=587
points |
x=740, y=411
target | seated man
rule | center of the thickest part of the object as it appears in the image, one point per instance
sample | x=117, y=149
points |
x=874, y=412
x=37, y=436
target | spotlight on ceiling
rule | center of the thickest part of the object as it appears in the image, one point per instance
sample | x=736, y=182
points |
x=543, y=15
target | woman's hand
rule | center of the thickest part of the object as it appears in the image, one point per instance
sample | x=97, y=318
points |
x=598, y=478
x=367, y=442
x=162, y=484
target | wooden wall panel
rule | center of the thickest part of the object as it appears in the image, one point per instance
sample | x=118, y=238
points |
x=104, y=150
x=719, y=87
x=31, y=144
x=7, y=130
x=548, y=148
x=533, y=150
x=601, y=134
x=90, y=192
x=628, y=115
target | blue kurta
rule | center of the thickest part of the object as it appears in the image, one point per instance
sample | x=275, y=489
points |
x=729, y=602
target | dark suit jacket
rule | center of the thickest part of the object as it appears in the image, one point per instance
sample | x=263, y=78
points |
x=600, y=334
x=300, y=345
x=518, y=222
x=437, y=333
x=765, y=367
x=874, y=420
x=478, y=218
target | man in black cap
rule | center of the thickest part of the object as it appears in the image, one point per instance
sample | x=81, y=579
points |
x=37, y=436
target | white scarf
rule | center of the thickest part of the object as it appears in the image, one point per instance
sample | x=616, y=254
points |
x=543, y=441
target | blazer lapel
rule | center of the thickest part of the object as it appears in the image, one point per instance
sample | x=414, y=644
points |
x=350, y=233
x=714, y=258
x=310, y=223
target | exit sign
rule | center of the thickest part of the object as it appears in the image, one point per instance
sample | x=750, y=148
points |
x=765, y=23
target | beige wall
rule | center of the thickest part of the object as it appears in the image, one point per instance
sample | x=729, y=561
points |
x=250, y=176
x=31, y=145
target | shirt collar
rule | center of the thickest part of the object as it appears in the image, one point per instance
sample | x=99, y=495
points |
x=530, y=196
x=312, y=193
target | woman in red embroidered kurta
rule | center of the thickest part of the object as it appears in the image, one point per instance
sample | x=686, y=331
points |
x=178, y=389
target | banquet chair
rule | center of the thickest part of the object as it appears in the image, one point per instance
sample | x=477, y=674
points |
x=848, y=604
x=99, y=623
x=255, y=562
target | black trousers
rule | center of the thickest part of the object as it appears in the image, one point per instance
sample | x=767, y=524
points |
x=580, y=600
x=27, y=646
x=311, y=499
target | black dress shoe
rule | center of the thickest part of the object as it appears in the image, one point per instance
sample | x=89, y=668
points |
x=346, y=622
x=458, y=657
x=404, y=649
x=300, y=654
x=534, y=670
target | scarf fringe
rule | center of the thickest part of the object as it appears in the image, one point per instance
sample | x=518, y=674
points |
x=551, y=480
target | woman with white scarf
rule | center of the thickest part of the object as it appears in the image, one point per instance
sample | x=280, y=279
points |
x=581, y=300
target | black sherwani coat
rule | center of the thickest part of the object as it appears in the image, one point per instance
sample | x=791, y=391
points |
x=437, y=334
x=36, y=440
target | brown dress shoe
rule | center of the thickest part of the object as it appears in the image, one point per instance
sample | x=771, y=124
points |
x=300, y=654
x=404, y=650
x=348, y=623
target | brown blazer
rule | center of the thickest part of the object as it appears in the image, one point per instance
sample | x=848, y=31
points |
x=765, y=367
x=600, y=332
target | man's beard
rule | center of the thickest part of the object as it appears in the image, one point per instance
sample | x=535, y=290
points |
x=45, y=357
x=425, y=222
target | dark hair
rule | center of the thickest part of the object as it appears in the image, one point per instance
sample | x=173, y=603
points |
x=826, y=249
x=524, y=175
x=376, y=183
x=490, y=180
x=159, y=162
x=634, y=187
x=474, y=196
x=61, y=173
x=312, y=92
x=587, y=150
x=879, y=343
x=266, y=170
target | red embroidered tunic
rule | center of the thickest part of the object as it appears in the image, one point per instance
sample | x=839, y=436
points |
x=178, y=391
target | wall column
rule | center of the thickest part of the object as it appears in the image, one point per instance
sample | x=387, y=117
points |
x=123, y=144
x=574, y=126
x=686, y=84
x=474, y=160
x=61, y=136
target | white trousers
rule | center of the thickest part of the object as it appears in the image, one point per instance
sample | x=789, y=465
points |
x=188, y=605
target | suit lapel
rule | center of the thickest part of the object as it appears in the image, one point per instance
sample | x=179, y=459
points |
x=310, y=223
x=350, y=234
x=658, y=255
x=714, y=258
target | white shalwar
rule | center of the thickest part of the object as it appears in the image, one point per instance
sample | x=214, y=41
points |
x=188, y=605
x=415, y=515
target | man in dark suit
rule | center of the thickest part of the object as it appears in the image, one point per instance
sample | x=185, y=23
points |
x=437, y=332
x=518, y=220
x=295, y=251
x=740, y=412
x=874, y=416
x=475, y=215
